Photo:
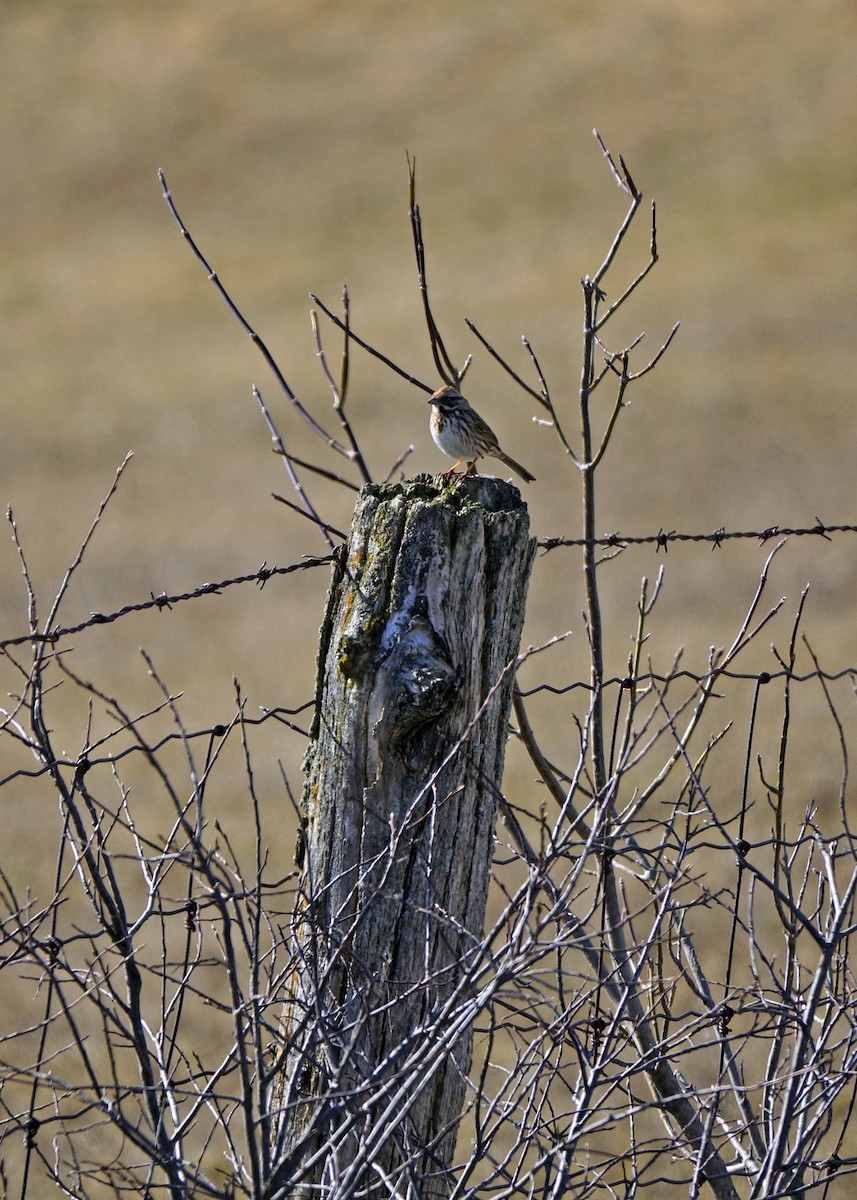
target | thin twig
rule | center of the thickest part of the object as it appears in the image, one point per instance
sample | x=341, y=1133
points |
x=364, y=345
x=315, y=520
x=249, y=330
x=445, y=367
x=340, y=390
x=495, y=354
x=78, y=559
x=280, y=447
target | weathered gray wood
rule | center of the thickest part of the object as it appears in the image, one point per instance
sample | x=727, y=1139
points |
x=416, y=669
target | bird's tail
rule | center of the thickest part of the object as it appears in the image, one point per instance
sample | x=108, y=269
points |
x=516, y=466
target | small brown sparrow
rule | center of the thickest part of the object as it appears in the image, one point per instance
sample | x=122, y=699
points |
x=459, y=431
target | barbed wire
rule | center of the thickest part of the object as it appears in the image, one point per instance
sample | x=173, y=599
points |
x=647, y=678
x=162, y=600
x=663, y=539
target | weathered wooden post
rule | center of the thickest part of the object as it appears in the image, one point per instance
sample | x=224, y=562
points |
x=416, y=670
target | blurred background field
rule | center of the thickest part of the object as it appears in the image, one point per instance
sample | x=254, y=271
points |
x=283, y=129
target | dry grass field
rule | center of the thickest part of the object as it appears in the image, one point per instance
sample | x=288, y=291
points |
x=283, y=130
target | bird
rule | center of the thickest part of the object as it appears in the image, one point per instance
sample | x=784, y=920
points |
x=459, y=431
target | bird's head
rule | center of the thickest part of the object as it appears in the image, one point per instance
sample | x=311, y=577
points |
x=447, y=399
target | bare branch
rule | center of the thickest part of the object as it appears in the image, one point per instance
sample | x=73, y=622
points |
x=445, y=367
x=248, y=328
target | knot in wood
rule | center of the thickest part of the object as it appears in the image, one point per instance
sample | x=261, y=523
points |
x=415, y=684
